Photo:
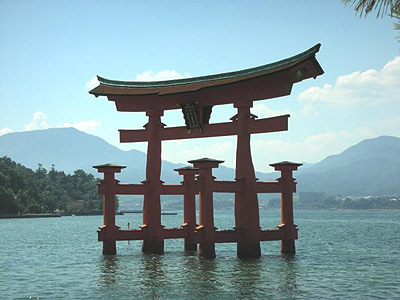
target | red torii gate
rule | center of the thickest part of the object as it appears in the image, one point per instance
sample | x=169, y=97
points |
x=196, y=97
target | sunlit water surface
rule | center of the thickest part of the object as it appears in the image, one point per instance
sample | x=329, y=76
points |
x=340, y=255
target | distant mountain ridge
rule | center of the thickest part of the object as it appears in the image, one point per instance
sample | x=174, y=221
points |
x=382, y=147
x=70, y=149
x=371, y=167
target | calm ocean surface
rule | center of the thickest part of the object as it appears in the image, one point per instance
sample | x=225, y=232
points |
x=340, y=255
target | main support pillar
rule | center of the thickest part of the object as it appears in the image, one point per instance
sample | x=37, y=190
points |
x=287, y=221
x=206, y=210
x=154, y=242
x=247, y=218
x=107, y=187
x=189, y=206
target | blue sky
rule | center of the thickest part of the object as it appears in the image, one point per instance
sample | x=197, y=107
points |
x=50, y=52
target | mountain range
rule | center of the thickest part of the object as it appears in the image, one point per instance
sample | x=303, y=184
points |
x=369, y=168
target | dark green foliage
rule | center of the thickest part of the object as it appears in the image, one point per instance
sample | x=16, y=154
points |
x=25, y=191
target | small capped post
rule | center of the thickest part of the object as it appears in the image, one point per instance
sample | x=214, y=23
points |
x=189, y=206
x=288, y=188
x=206, y=210
x=107, y=187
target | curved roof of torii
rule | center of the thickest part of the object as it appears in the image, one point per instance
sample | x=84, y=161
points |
x=263, y=82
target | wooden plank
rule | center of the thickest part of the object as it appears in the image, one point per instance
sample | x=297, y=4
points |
x=269, y=187
x=226, y=186
x=133, y=234
x=130, y=189
x=227, y=236
x=274, y=124
x=173, y=233
x=172, y=189
x=271, y=235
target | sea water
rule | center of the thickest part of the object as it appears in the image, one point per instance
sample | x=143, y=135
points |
x=351, y=254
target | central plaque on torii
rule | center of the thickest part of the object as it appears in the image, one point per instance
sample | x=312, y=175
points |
x=196, y=98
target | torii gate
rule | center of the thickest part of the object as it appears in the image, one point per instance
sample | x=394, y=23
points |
x=196, y=97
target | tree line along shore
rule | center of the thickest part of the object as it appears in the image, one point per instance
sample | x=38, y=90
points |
x=27, y=192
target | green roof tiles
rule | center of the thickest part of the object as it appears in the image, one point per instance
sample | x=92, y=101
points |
x=223, y=76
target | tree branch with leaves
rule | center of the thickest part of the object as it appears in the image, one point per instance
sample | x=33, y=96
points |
x=389, y=8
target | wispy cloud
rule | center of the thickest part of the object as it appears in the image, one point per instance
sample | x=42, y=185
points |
x=224, y=150
x=316, y=147
x=6, y=130
x=369, y=87
x=262, y=111
x=92, y=83
x=39, y=121
x=150, y=75
x=90, y=126
x=311, y=149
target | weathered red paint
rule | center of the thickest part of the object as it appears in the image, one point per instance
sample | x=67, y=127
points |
x=206, y=211
x=240, y=89
x=287, y=221
x=274, y=124
x=108, y=185
x=246, y=201
x=154, y=242
x=189, y=206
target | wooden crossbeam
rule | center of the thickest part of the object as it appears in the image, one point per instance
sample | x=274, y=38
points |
x=274, y=124
x=226, y=186
x=176, y=189
x=269, y=187
x=130, y=189
x=225, y=236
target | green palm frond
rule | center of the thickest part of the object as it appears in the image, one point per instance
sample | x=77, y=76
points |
x=383, y=7
x=364, y=7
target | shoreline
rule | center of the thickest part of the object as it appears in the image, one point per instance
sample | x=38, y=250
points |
x=28, y=216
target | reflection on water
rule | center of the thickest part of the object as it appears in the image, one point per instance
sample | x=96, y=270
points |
x=316, y=269
x=109, y=268
x=152, y=275
x=246, y=278
x=287, y=274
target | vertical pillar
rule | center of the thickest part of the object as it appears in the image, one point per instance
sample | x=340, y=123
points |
x=108, y=189
x=189, y=206
x=153, y=242
x=206, y=210
x=247, y=217
x=287, y=221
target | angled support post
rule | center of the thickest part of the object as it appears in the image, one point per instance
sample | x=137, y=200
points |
x=189, y=206
x=206, y=211
x=108, y=187
x=288, y=188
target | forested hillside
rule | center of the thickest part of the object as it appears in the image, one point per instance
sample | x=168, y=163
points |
x=24, y=191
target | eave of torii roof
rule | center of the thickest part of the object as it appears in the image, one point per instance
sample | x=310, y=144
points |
x=269, y=81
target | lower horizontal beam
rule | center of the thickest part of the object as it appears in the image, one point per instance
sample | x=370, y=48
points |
x=130, y=189
x=226, y=186
x=224, y=236
x=271, y=235
x=174, y=233
x=227, y=236
x=269, y=187
x=172, y=189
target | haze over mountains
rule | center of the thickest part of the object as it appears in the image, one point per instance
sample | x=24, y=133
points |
x=371, y=167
